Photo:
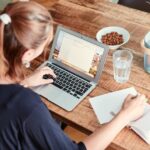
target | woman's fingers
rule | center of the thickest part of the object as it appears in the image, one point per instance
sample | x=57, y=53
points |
x=141, y=98
x=47, y=70
x=51, y=72
x=45, y=67
x=134, y=106
x=130, y=96
x=48, y=81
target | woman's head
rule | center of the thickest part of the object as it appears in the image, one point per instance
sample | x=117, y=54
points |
x=24, y=38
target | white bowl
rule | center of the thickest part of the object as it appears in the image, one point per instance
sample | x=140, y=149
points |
x=119, y=30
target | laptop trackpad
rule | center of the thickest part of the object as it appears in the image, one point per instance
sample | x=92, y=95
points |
x=57, y=96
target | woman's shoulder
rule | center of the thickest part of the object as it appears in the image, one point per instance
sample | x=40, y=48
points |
x=27, y=97
x=27, y=93
x=21, y=92
x=29, y=101
x=20, y=100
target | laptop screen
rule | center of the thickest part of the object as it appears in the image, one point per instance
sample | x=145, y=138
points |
x=77, y=53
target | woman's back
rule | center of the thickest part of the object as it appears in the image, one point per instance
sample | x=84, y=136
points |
x=16, y=105
x=25, y=122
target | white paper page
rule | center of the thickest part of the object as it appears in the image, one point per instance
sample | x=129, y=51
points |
x=105, y=104
x=144, y=135
x=144, y=122
x=142, y=125
x=73, y=52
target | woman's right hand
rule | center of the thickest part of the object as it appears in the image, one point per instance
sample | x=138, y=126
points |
x=133, y=107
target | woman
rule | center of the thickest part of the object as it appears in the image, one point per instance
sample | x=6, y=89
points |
x=25, y=122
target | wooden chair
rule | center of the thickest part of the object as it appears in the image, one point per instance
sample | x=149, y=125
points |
x=143, y=5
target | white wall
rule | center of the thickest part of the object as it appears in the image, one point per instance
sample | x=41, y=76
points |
x=114, y=1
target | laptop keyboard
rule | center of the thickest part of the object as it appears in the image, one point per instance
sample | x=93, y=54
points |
x=68, y=82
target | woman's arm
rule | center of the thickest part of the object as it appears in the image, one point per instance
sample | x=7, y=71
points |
x=132, y=109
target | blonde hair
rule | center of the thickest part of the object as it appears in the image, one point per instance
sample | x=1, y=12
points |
x=30, y=26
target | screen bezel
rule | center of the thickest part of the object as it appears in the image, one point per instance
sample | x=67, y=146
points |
x=81, y=74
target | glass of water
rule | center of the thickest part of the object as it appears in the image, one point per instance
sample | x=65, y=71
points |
x=122, y=60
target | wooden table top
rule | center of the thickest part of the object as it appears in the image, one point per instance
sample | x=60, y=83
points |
x=87, y=17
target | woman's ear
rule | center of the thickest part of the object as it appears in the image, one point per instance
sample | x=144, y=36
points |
x=28, y=56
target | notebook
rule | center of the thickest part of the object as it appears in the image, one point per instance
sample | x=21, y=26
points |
x=105, y=106
x=78, y=62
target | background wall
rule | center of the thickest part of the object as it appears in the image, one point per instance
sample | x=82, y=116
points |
x=114, y=1
x=3, y=3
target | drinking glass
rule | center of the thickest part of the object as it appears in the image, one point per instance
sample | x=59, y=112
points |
x=122, y=60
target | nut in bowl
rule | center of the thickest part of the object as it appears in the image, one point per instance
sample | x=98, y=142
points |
x=113, y=36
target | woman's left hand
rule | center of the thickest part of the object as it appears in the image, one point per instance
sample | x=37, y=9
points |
x=36, y=79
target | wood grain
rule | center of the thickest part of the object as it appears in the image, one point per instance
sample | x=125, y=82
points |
x=87, y=17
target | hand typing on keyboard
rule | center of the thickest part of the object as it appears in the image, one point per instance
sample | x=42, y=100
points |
x=48, y=76
x=39, y=76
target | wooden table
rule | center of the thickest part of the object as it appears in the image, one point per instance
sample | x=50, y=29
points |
x=87, y=17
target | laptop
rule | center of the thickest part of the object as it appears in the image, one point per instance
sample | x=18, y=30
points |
x=78, y=62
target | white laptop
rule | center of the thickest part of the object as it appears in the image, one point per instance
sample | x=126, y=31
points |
x=78, y=62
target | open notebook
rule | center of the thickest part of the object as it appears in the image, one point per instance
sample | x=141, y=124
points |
x=105, y=106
